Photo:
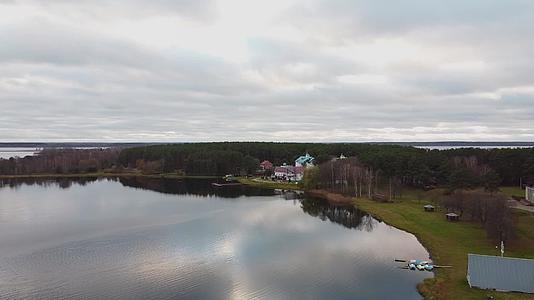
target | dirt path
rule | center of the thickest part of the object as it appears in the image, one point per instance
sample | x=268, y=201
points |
x=519, y=205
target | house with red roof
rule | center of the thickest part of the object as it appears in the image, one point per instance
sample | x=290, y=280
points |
x=266, y=165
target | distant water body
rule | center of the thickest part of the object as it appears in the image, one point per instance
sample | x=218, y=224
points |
x=440, y=147
x=8, y=152
x=165, y=239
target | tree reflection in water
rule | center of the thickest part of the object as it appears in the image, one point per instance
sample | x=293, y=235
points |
x=346, y=215
x=63, y=183
x=201, y=187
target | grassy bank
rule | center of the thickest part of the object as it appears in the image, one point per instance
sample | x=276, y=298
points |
x=258, y=182
x=449, y=244
x=513, y=191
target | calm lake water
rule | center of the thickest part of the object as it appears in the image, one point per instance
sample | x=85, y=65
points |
x=168, y=239
x=8, y=152
x=435, y=147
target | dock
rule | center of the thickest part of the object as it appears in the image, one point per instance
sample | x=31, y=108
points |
x=226, y=184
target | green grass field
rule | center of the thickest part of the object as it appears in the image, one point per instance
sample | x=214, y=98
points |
x=449, y=243
x=513, y=191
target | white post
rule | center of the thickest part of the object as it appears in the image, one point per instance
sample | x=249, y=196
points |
x=502, y=248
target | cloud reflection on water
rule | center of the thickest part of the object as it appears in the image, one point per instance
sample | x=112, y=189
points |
x=134, y=243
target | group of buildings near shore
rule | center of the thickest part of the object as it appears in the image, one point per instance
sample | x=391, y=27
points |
x=290, y=173
x=285, y=172
x=486, y=272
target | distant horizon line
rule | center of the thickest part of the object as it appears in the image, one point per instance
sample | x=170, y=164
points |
x=422, y=143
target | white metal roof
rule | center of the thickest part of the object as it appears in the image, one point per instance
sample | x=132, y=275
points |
x=501, y=273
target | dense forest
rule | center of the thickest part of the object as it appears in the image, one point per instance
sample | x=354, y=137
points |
x=465, y=167
x=389, y=164
x=61, y=161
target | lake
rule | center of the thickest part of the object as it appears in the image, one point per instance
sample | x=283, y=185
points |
x=141, y=238
x=8, y=152
x=487, y=147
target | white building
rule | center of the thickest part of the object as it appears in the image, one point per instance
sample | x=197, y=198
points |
x=341, y=157
x=289, y=173
x=529, y=194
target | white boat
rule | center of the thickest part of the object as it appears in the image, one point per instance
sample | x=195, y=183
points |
x=421, y=265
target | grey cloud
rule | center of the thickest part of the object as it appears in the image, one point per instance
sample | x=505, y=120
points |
x=382, y=16
x=298, y=62
x=202, y=10
x=91, y=60
x=44, y=42
x=71, y=83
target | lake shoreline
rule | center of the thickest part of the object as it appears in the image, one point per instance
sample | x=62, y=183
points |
x=268, y=184
x=332, y=198
x=447, y=244
x=426, y=286
x=106, y=175
x=340, y=199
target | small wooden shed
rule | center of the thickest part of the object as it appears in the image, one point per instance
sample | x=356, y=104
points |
x=429, y=207
x=452, y=217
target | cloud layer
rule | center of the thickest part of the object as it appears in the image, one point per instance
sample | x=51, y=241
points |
x=216, y=70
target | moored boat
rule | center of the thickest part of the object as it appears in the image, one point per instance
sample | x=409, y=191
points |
x=421, y=265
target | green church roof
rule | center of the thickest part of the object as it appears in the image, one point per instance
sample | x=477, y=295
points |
x=304, y=159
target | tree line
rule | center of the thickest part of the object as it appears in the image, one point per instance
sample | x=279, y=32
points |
x=389, y=164
x=470, y=189
x=61, y=161
x=389, y=172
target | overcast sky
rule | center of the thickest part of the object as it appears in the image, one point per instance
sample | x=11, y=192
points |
x=277, y=70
